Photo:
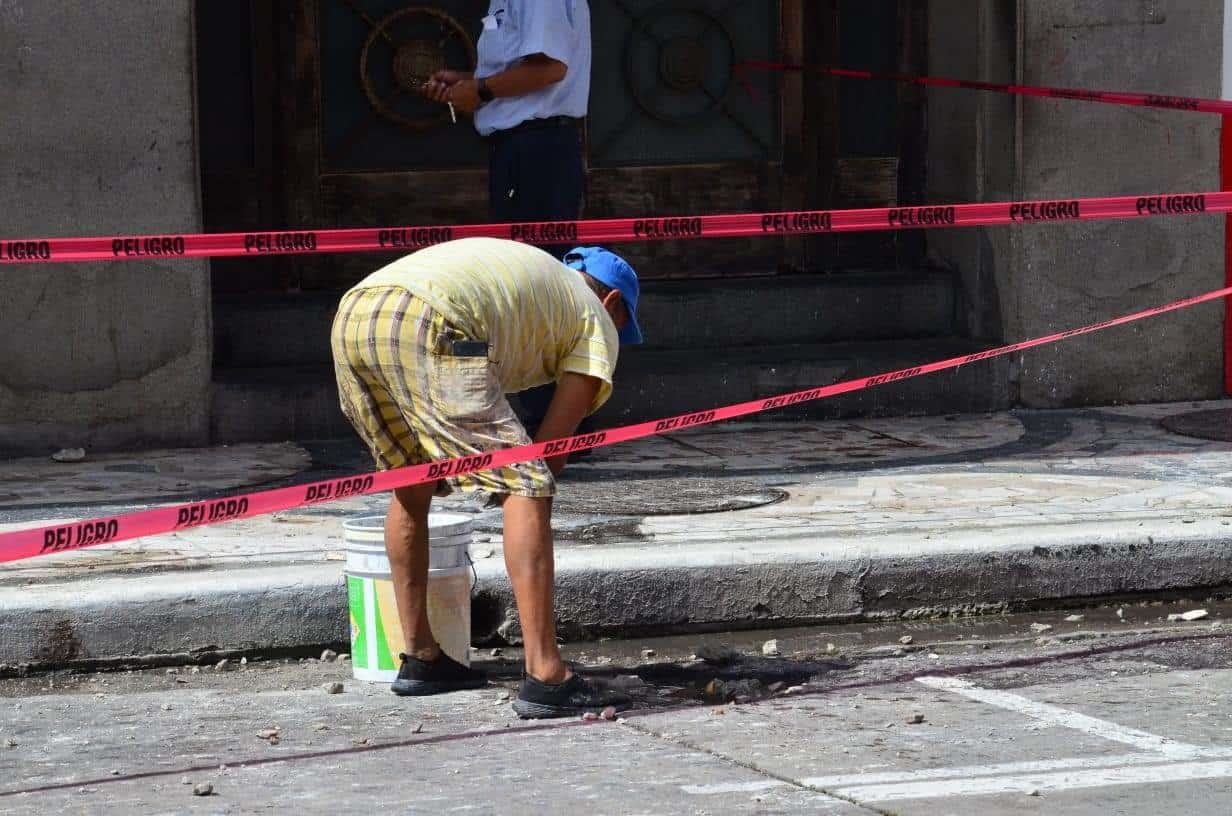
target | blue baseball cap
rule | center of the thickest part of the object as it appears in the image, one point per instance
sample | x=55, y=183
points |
x=611, y=270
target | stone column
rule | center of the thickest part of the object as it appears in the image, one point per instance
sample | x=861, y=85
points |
x=98, y=136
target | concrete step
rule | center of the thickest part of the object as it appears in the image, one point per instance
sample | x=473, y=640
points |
x=293, y=329
x=300, y=402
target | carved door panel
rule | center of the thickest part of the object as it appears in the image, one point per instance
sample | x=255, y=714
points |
x=674, y=130
x=366, y=148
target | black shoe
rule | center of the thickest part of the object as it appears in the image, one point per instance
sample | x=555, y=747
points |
x=571, y=698
x=418, y=678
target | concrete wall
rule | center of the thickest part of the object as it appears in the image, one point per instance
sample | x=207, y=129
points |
x=1035, y=280
x=98, y=136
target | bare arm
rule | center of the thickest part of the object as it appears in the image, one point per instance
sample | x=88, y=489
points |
x=575, y=393
x=525, y=76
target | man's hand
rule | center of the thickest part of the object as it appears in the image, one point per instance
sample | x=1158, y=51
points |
x=437, y=88
x=575, y=393
x=464, y=95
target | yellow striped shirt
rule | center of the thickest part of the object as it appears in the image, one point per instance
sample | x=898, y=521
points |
x=539, y=317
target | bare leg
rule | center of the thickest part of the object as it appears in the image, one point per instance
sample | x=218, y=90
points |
x=529, y=562
x=406, y=542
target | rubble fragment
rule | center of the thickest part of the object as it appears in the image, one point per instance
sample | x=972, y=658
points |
x=203, y=789
x=333, y=688
x=770, y=648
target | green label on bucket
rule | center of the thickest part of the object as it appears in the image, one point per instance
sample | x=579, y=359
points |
x=359, y=640
x=384, y=660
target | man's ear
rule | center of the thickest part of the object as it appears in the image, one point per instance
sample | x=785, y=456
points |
x=614, y=305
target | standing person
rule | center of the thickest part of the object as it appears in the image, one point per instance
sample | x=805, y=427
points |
x=528, y=96
x=425, y=350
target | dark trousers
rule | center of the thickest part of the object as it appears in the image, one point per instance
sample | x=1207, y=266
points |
x=535, y=174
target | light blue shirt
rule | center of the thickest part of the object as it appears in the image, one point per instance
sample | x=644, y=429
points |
x=515, y=29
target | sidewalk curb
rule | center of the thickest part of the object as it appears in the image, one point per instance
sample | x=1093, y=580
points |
x=626, y=592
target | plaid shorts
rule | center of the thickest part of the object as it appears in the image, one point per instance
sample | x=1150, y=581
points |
x=412, y=400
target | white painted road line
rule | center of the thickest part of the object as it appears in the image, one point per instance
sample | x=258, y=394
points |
x=1055, y=715
x=832, y=783
x=733, y=787
x=1044, y=783
x=1162, y=760
x=1003, y=769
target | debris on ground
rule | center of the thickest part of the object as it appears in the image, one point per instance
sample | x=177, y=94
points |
x=590, y=716
x=497, y=652
x=203, y=789
x=906, y=640
x=272, y=735
x=647, y=653
x=333, y=688
x=503, y=697
x=329, y=656
x=719, y=655
x=915, y=719
x=770, y=648
x=1041, y=627
x=740, y=691
x=608, y=713
x=418, y=729
x=627, y=682
x=1197, y=614
x=1120, y=613
x=831, y=649
x=222, y=665
x=69, y=455
x=1075, y=619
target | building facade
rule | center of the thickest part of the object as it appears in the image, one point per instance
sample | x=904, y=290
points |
x=168, y=116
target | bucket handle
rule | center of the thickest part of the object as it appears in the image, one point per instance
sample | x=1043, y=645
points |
x=474, y=574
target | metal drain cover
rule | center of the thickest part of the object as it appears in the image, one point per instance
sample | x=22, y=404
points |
x=1213, y=423
x=664, y=497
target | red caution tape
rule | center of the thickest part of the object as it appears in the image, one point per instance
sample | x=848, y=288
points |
x=22, y=544
x=1136, y=100
x=797, y=222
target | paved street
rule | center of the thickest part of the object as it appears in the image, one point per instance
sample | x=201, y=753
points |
x=1120, y=712
x=718, y=527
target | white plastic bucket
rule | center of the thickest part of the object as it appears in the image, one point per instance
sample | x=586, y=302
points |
x=376, y=630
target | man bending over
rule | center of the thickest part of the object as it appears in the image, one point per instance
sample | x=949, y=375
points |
x=425, y=350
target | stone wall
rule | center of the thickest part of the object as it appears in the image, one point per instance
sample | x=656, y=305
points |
x=98, y=137
x=1028, y=281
